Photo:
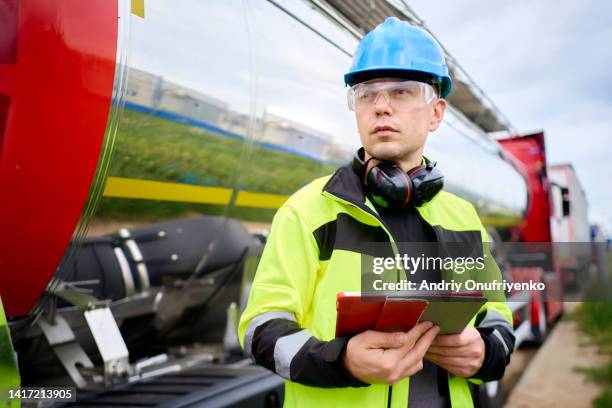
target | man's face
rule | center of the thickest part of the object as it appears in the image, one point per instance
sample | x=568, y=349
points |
x=394, y=133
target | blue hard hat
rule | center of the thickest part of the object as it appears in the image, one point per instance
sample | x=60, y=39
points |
x=398, y=49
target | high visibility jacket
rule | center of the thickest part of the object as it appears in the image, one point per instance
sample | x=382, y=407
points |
x=312, y=253
x=9, y=372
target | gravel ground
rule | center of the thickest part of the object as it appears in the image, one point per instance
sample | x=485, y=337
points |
x=518, y=364
x=550, y=379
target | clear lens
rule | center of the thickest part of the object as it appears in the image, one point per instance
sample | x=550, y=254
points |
x=401, y=95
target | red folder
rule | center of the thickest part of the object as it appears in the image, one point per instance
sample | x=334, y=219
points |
x=358, y=313
x=400, y=314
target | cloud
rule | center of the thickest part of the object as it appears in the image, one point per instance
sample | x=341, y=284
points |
x=546, y=65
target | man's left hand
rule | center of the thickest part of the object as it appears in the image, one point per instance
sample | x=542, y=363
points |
x=460, y=354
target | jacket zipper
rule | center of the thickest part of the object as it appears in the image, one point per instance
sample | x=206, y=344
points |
x=369, y=213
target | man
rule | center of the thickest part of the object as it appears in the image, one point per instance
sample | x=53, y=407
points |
x=390, y=194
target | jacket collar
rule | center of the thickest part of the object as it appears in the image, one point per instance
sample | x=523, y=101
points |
x=345, y=184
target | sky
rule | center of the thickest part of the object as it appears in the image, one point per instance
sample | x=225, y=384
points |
x=546, y=64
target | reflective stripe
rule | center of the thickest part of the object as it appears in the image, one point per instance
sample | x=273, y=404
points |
x=503, y=342
x=286, y=348
x=258, y=321
x=495, y=318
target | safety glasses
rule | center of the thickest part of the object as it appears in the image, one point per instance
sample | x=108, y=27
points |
x=402, y=95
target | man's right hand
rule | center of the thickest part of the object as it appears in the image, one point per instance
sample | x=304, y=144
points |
x=377, y=357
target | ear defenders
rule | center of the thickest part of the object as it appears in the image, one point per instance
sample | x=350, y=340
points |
x=391, y=187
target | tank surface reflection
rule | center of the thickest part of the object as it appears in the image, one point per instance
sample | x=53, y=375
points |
x=234, y=127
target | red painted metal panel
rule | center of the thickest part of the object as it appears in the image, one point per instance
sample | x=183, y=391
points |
x=60, y=86
x=8, y=34
x=5, y=103
x=530, y=151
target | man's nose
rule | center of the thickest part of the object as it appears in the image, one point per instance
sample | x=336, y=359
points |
x=381, y=104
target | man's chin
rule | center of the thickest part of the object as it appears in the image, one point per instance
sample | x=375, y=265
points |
x=387, y=153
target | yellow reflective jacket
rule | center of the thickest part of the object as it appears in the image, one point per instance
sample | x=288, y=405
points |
x=312, y=254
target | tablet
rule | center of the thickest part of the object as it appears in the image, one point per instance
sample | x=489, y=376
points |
x=452, y=314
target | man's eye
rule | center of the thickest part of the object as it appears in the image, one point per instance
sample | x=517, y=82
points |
x=403, y=92
x=364, y=95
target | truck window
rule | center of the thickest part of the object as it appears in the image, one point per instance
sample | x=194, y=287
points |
x=565, y=201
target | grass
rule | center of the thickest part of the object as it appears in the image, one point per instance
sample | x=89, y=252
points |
x=153, y=148
x=595, y=319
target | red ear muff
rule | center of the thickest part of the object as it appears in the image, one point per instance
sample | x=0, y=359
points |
x=413, y=170
x=408, y=186
x=390, y=187
x=427, y=181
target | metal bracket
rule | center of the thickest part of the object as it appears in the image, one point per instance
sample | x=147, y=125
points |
x=62, y=340
x=104, y=330
x=79, y=298
x=230, y=338
x=110, y=343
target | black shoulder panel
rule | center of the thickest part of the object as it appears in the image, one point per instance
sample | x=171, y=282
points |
x=348, y=234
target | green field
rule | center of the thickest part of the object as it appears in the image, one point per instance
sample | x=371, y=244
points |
x=153, y=148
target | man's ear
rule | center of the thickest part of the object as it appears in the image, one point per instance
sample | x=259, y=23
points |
x=439, y=107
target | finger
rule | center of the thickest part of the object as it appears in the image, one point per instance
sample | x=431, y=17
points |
x=425, y=340
x=447, y=351
x=438, y=360
x=449, y=340
x=416, y=332
x=376, y=339
x=420, y=348
x=412, y=362
x=449, y=361
x=468, y=335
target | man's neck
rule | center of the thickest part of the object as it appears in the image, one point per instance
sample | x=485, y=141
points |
x=410, y=163
x=405, y=164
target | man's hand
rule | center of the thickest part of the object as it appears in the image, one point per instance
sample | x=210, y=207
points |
x=460, y=354
x=377, y=357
